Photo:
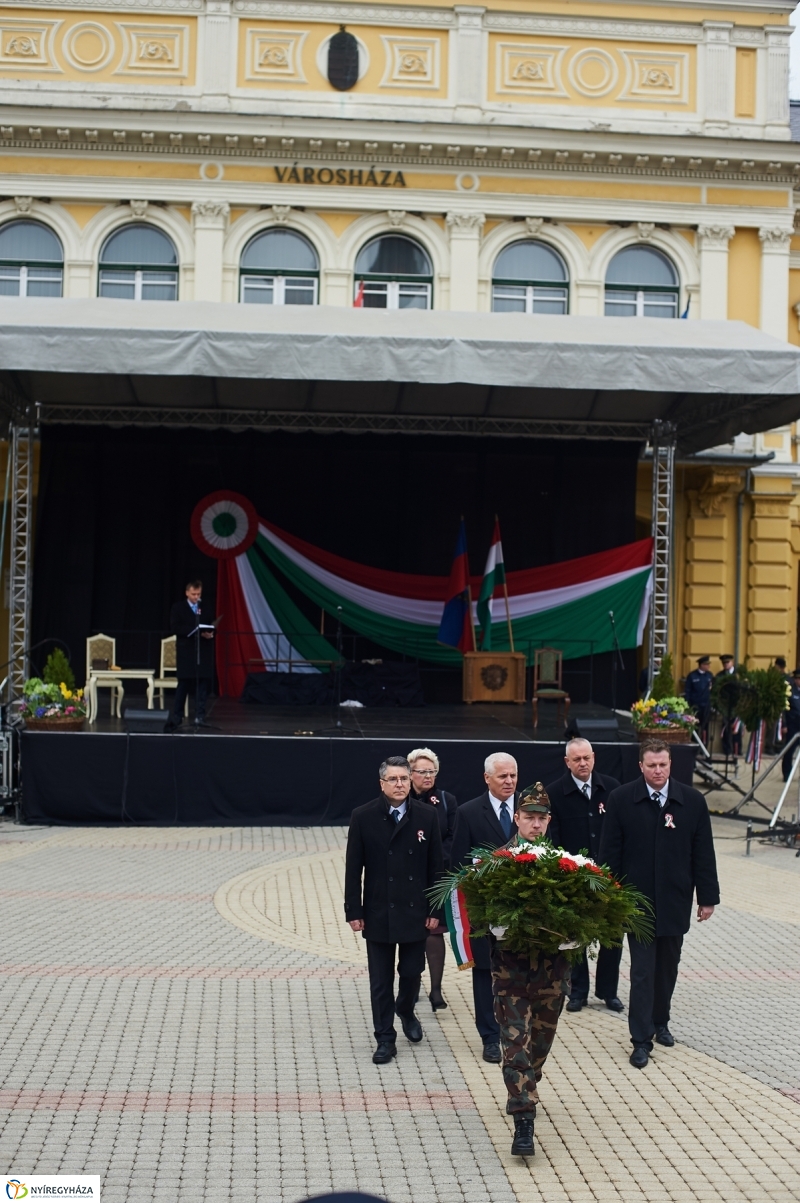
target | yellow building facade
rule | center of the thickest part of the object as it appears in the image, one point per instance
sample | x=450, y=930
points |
x=623, y=159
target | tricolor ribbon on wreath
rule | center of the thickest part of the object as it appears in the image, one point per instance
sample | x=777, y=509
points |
x=458, y=926
x=755, y=746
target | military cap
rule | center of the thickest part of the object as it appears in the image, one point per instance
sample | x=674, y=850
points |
x=534, y=800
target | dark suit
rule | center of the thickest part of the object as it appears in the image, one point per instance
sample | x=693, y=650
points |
x=446, y=808
x=667, y=853
x=183, y=620
x=576, y=824
x=477, y=826
x=398, y=862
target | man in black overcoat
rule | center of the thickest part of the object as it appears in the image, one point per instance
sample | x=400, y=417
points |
x=194, y=657
x=577, y=811
x=657, y=836
x=486, y=822
x=394, y=856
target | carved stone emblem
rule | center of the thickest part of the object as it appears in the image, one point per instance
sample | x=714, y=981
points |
x=494, y=676
x=155, y=52
x=22, y=46
x=528, y=69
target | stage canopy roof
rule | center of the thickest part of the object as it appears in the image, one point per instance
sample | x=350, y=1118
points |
x=393, y=371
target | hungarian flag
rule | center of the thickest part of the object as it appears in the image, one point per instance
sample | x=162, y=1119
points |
x=494, y=576
x=358, y=303
x=455, y=628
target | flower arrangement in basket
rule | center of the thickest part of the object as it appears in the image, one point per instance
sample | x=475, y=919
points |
x=538, y=898
x=41, y=700
x=664, y=715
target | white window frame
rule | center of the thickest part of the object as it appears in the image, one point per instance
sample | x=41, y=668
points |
x=394, y=290
x=545, y=292
x=256, y=280
x=641, y=295
x=21, y=276
x=124, y=277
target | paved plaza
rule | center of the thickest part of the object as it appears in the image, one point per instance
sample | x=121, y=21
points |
x=185, y=1013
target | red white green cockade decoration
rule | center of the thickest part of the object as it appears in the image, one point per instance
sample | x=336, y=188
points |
x=562, y=605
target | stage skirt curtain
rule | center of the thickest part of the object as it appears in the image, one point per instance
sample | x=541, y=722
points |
x=262, y=628
x=564, y=605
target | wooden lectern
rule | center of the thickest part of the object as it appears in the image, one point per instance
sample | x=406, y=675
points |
x=494, y=677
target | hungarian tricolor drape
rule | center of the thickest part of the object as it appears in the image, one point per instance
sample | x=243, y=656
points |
x=562, y=605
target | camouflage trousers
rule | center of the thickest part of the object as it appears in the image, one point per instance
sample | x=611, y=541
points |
x=529, y=994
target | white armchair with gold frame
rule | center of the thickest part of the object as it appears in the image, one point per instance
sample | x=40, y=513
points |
x=168, y=664
x=102, y=648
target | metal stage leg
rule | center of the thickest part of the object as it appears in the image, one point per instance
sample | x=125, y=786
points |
x=663, y=442
x=22, y=438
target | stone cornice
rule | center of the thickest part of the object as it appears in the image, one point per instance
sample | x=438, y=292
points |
x=524, y=159
x=363, y=14
x=587, y=27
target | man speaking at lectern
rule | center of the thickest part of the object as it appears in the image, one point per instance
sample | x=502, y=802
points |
x=194, y=657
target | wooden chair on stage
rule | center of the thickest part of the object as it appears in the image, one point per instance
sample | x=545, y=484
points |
x=548, y=683
x=101, y=648
x=168, y=664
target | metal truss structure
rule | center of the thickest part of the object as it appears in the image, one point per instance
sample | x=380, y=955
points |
x=663, y=439
x=22, y=438
x=298, y=421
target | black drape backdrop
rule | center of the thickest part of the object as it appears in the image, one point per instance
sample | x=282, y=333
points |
x=113, y=547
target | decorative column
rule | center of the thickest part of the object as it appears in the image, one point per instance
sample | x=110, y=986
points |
x=465, y=240
x=718, y=75
x=714, y=270
x=771, y=614
x=777, y=114
x=210, y=220
x=775, y=281
x=216, y=54
x=468, y=67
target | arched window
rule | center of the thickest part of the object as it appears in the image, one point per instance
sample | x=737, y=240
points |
x=393, y=272
x=139, y=263
x=530, y=277
x=31, y=260
x=279, y=267
x=641, y=282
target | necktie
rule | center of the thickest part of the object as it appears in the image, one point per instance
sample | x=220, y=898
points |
x=397, y=815
x=505, y=820
x=585, y=789
x=656, y=798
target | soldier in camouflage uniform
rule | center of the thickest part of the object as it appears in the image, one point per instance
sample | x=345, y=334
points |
x=529, y=993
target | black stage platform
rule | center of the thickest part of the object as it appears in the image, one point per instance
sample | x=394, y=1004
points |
x=288, y=766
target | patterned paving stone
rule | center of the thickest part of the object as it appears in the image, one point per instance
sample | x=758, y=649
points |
x=185, y=1012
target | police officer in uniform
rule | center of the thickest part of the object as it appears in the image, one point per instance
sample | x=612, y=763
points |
x=792, y=724
x=529, y=993
x=698, y=693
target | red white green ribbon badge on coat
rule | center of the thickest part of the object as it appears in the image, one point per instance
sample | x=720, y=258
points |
x=224, y=524
x=669, y=821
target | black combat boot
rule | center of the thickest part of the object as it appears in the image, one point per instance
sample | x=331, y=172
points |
x=523, y=1135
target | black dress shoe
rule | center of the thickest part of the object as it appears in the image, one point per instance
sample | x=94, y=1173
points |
x=491, y=1052
x=522, y=1145
x=640, y=1056
x=664, y=1036
x=614, y=1004
x=436, y=1001
x=577, y=1004
x=412, y=1029
x=384, y=1052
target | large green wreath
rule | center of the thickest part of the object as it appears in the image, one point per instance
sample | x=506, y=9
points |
x=543, y=898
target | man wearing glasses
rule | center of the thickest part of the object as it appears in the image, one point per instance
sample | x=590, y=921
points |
x=394, y=855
